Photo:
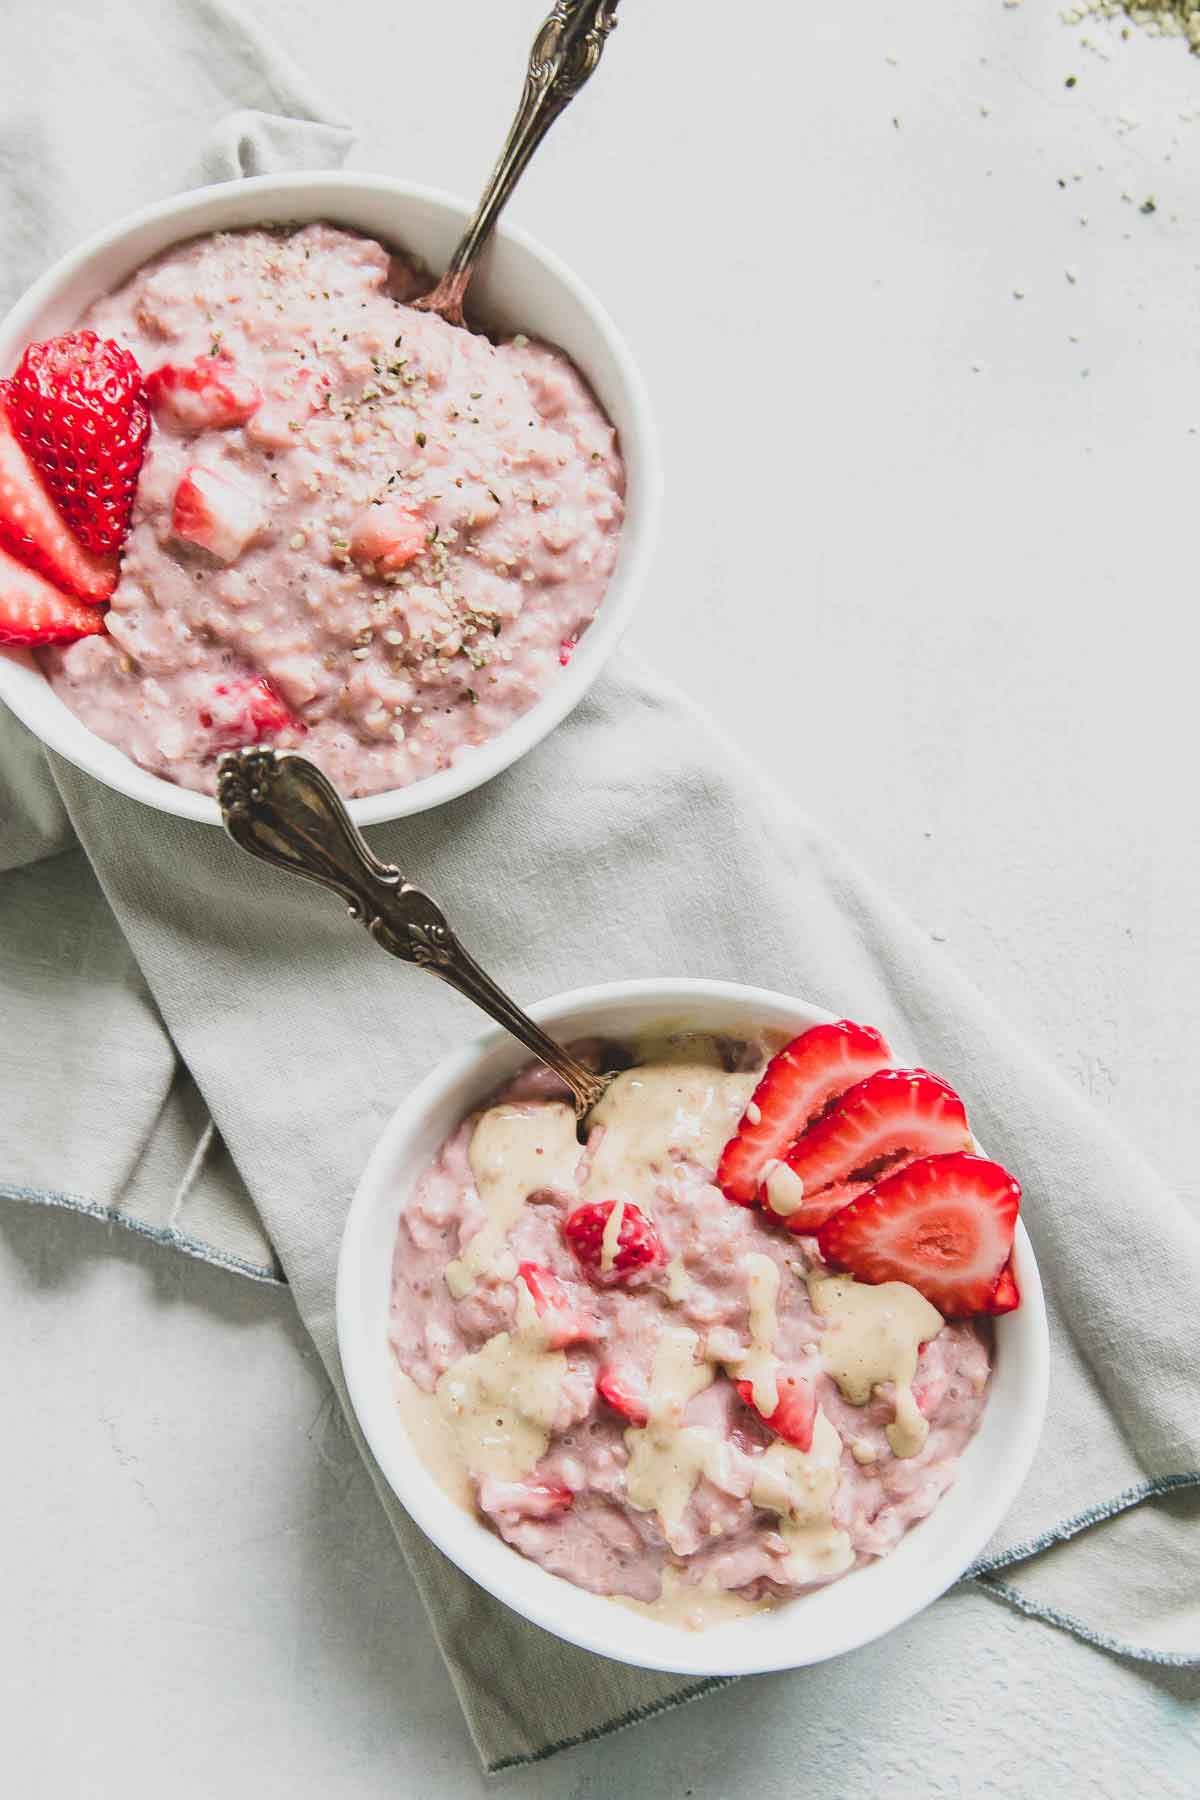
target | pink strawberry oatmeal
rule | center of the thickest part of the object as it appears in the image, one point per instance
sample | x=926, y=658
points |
x=652, y=1392
x=356, y=528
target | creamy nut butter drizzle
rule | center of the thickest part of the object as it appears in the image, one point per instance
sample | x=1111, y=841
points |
x=873, y=1336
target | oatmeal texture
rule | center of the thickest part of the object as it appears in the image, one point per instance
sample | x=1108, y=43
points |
x=697, y=1504
x=404, y=532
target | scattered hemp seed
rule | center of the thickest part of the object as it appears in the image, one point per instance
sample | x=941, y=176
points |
x=1147, y=207
x=471, y=695
x=1071, y=81
x=421, y=440
x=1071, y=273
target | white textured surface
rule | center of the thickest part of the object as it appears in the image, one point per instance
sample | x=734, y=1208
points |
x=956, y=605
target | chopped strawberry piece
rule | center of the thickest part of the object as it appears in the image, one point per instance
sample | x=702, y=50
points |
x=209, y=394
x=513, y=1500
x=802, y=1079
x=1006, y=1295
x=894, y=1115
x=244, y=710
x=216, y=514
x=34, y=612
x=389, y=535
x=944, y=1224
x=567, y=649
x=638, y=1243
x=795, y=1408
x=625, y=1394
x=278, y=422
x=563, y=1321
x=77, y=405
x=32, y=527
x=930, y=1392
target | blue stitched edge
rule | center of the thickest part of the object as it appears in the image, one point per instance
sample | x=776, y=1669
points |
x=157, y=1234
x=634, y=1716
x=1102, y=1640
x=1059, y=1534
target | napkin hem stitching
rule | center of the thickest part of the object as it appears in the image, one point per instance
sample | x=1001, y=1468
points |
x=635, y=1716
x=1100, y=1640
x=157, y=1234
x=1092, y=1515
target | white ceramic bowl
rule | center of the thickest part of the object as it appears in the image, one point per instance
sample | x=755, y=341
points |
x=850, y=1612
x=519, y=287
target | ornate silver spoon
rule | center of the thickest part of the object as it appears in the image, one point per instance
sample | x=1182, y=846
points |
x=282, y=809
x=565, y=51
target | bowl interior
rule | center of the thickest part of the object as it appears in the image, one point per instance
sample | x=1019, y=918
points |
x=852, y=1611
x=519, y=286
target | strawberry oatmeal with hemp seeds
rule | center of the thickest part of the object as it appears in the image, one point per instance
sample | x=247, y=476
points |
x=356, y=528
x=671, y=1368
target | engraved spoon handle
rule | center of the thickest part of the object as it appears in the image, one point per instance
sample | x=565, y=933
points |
x=282, y=809
x=565, y=52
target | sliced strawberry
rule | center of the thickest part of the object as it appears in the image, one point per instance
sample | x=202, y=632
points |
x=244, y=710
x=795, y=1409
x=625, y=1394
x=1006, y=1295
x=33, y=612
x=802, y=1079
x=638, y=1243
x=77, y=405
x=32, y=527
x=389, y=535
x=893, y=1116
x=563, y=1320
x=215, y=513
x=944, y=1224
x=512, y=1500
x=209, y=394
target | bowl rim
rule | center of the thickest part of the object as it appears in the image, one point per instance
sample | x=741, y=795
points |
x=320, y=189
x=442, y=1521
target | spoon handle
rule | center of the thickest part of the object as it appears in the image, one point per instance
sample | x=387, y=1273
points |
x=565, y=52
x=283, y=810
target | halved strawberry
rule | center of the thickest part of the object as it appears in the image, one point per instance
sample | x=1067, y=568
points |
x=638, y=1243
x=625, y=1394
x=32, y=527
x=563, y=1320
x=514, y=1500
x=211, y=393
x=890, y=1118
x=389, y=535
x=77, y=405
x=34, y=612
x=802, y=1079
x=1006, y=1295
x=243, y=710
x=944, y=1224
x=215, y=513
x=795, y=1409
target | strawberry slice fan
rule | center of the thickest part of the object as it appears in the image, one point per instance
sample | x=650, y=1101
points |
x=879, y=1166
x=73, y=431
